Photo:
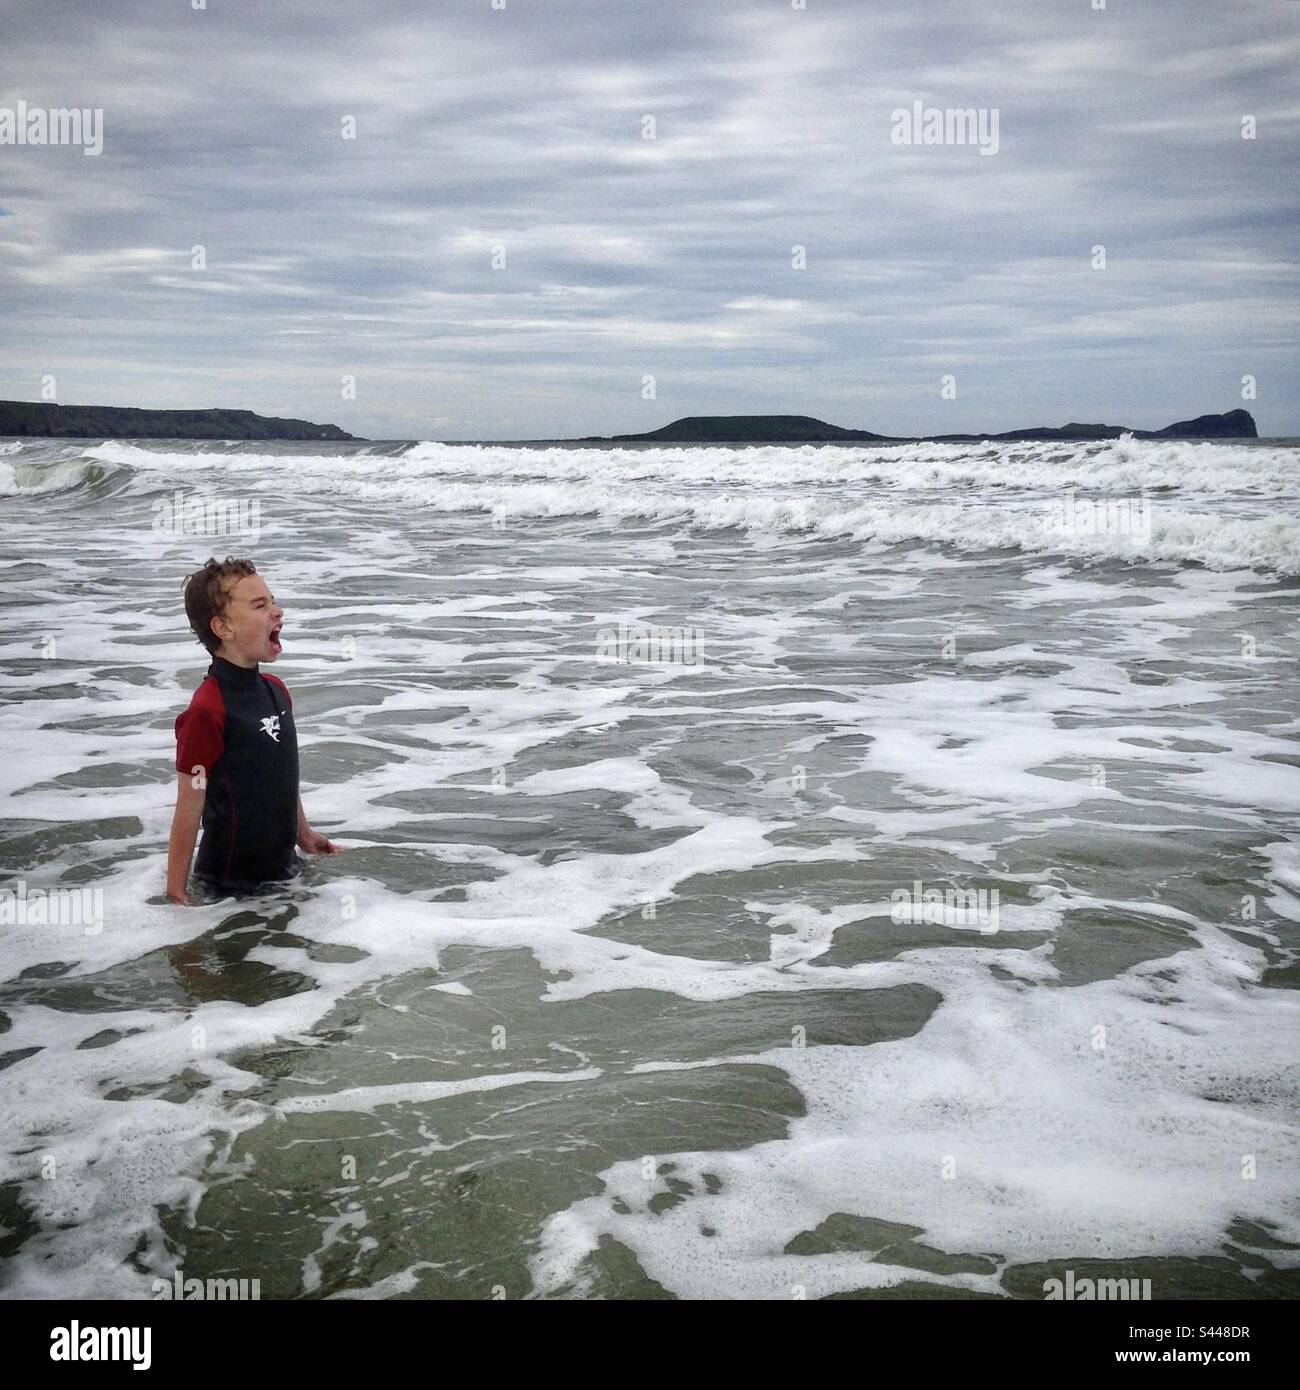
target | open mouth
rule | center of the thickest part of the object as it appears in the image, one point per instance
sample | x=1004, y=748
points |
x=275, y=638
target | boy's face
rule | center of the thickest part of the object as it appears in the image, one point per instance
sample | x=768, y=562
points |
x=249, y=624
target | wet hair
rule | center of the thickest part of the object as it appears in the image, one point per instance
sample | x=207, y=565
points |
x=206, y=591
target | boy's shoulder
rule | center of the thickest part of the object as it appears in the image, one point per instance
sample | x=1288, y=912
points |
x=207, y=694
x=275, y=680
x=201, y=728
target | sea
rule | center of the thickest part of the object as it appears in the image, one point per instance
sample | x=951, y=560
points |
x=770, y=873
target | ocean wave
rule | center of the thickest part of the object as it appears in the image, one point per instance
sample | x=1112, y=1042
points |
x=1225, y=506
x=1204, y=469
x=204, y=455
x=1206, y=538
x=1159, y=531
x=71, y=475
x=1125, y=463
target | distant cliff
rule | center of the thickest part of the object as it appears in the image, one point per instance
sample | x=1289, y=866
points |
x=30, y=418
x=1236, y=424
x=804, y=429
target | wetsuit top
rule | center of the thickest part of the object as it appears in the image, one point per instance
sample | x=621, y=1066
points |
x=238, y=732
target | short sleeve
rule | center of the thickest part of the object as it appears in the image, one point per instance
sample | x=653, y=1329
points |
x=200, y=730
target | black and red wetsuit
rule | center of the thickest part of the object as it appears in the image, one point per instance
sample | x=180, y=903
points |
x=238, y=733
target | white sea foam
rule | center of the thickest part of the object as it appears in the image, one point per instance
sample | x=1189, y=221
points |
x=1225, y=506
x=1126, y=465
x=1001, y=1128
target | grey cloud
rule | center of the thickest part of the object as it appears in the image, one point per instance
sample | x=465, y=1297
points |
x=624, y=256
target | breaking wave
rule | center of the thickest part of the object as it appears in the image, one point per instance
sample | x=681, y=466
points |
x=1226, y=506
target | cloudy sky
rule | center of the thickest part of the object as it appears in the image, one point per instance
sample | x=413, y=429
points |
x=517, y=134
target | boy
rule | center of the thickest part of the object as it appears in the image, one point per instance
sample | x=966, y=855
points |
x=236, y=747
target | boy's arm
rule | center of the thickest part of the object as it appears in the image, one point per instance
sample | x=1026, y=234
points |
x=312, y=841
x=185, y=830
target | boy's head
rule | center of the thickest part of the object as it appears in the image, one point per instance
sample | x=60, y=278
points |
x=233, y=613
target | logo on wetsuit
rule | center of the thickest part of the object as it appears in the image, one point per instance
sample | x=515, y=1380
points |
x=272, y=726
